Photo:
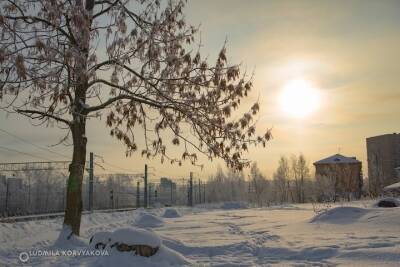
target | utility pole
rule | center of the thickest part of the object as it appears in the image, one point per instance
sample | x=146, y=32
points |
x=91, y=176
x=137, y=194
x=191, y=190
x=145, y=187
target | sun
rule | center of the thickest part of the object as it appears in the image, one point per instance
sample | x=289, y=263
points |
x=299, y=98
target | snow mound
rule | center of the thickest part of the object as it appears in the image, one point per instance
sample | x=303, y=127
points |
x=388, y=202
x=66, y=239
x=171, y=213
x=128, y=236
x=234, y=205
x=163, y=257
x=136, y=236
x=147, y=220
x=340, y=215
x=102, y=238
x=392, y=186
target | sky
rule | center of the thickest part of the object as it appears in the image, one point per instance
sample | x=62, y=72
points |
x=347, y=50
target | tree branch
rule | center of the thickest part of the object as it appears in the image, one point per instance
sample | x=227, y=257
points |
x=41, y=115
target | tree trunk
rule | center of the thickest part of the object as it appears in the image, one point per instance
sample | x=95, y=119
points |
x=73, y=209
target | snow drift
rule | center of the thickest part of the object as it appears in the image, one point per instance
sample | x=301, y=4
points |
x=136, y=236
x=147, y=220
x=234, y=205
x=340, y=215
x=163, y=257
x=67, y=239
x=171, y=213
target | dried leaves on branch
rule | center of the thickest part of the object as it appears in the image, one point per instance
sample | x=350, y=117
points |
x=135, y=63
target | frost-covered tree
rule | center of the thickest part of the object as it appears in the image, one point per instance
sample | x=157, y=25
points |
x=300, y=173
x=260, y=185
x=134, y=63
x=281, y=180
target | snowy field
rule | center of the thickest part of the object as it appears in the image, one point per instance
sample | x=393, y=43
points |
x=352, y=234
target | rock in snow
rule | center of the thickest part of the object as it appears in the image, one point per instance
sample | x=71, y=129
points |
x=388, y=202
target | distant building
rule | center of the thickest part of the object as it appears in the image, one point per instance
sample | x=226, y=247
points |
x=383, y=153
x=343, y=175
x=3, y=192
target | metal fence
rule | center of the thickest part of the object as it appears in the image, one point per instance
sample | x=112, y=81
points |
x=168, y=192
x=44, y=191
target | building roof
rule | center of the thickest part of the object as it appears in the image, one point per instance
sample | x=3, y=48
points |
x=337, y=159
x=392, y=186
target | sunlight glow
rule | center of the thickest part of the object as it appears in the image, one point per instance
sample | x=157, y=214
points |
x=299, y=98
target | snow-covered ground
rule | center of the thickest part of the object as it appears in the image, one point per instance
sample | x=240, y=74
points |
x=357, y=234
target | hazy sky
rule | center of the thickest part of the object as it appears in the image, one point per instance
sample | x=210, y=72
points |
x=348, y=50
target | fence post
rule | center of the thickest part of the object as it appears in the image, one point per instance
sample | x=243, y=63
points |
x=7, y=197
x=138, y=194
x=91, y=176
x=149, y=204
x=145, y=186
x=112, y=198
x=171, y=187
x=199, y=191
x=204, y=193
x=191, y=190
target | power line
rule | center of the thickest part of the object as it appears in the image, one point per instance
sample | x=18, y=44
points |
x=111, y=164
x=40, y=147
x=23, y=153
x=37, y=146
x=54, y=152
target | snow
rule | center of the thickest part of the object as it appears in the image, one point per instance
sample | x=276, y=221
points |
x=149, y=220
x=392, y=186
x=164, y=257
x=340, y=215
x=135, y=236
x=171, y=213
x=100, y=237
x=234, y=205
x=67, y=240
x=348, y=234
x=337, y=158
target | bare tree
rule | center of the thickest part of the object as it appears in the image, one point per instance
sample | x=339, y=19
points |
x=66, y=61
x=260, y=184
x=281, y=180
x=300, y=172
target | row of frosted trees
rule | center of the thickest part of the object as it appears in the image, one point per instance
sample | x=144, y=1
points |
x=292, y=182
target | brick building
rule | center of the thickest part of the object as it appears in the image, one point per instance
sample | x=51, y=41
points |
x=343, y=176
x=383, y=154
